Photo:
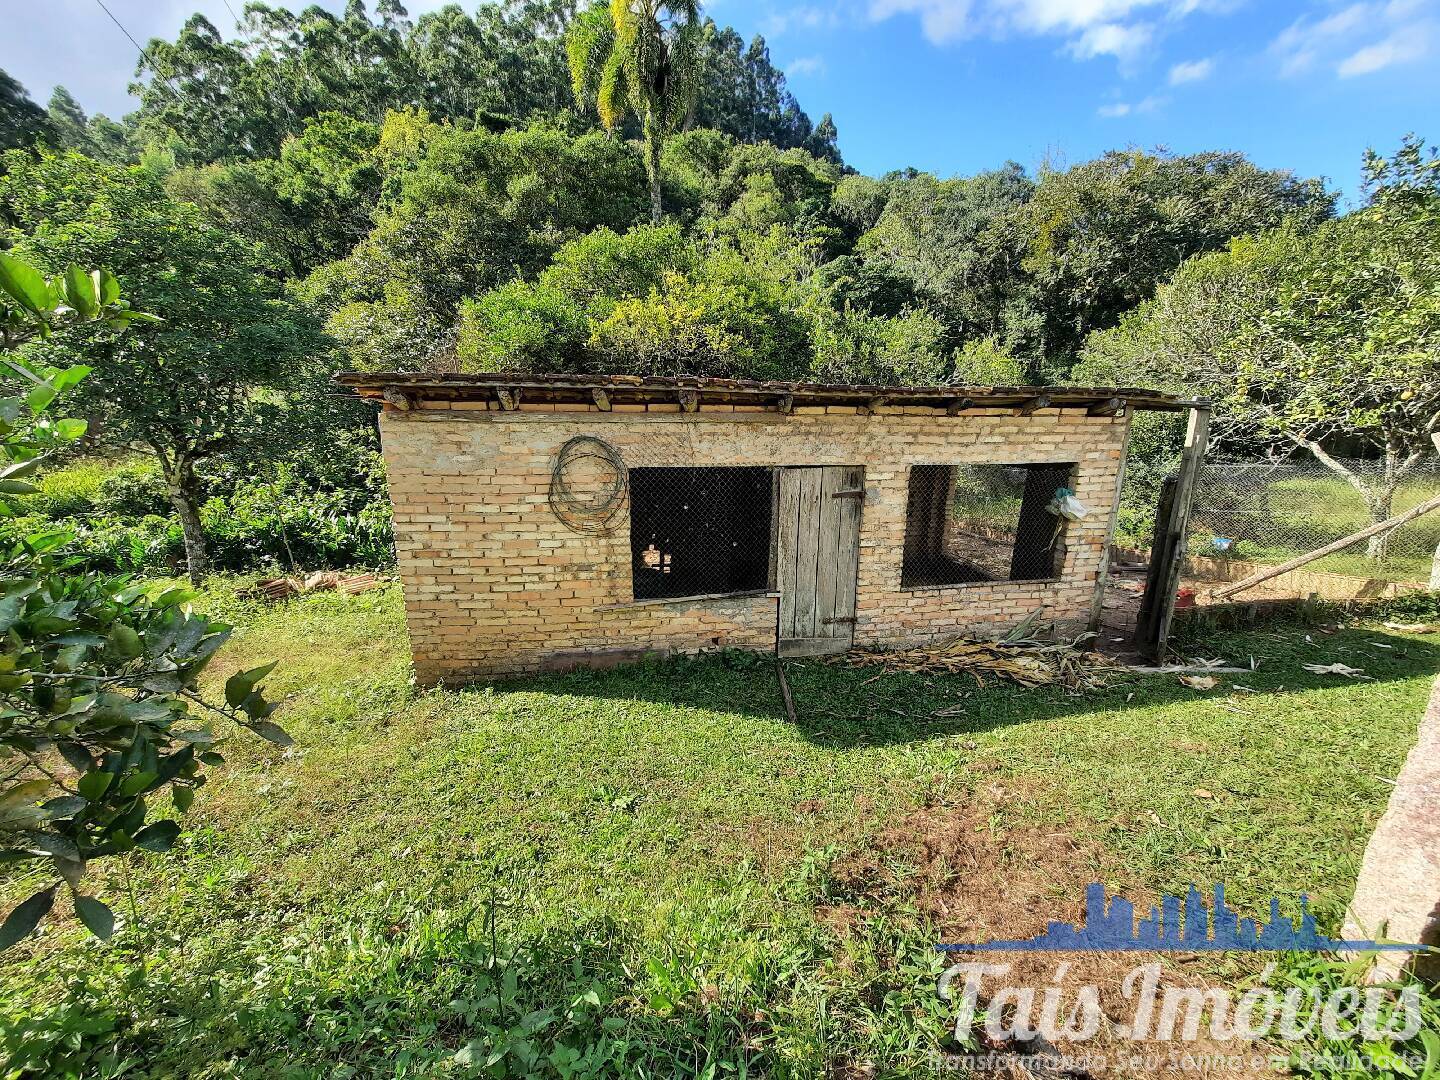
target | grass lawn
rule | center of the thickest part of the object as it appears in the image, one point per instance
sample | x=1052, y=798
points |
x=651, y=872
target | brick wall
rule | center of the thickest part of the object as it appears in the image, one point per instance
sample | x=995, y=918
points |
x=496, y=584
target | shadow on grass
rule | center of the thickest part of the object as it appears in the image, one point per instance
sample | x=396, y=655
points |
x=841, y=706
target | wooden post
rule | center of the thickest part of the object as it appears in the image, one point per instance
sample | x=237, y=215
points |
x=1168, y=558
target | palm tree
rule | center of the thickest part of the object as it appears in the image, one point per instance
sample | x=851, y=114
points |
x=638, y=57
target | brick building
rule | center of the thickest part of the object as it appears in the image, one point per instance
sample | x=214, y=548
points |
x=544, y=522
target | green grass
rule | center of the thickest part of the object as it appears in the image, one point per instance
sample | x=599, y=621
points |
x=636, y=864
x=1278, y=519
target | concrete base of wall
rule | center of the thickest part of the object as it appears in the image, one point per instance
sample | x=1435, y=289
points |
x=1398, y=893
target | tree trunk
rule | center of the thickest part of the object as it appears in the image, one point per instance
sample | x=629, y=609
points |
x=652, y=167
x=185, y=497
x=1380, y=502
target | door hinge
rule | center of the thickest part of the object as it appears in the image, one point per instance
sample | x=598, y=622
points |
x=858, y=493
x=840, y=620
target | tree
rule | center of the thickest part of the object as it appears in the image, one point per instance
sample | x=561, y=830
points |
x=98, y=675
x=210, y=99
x=98, y=136
x=22, y=122
x=956, y=243
x=203, y=383
x=1103, y=235
x=1310, y=339
x=641, y=57
x=460, y=213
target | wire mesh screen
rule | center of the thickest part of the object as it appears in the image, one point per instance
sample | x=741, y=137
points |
x=700, y=531
x=970, y=523
x=1270, y=513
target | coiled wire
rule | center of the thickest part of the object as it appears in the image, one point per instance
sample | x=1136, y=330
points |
x=597, y=512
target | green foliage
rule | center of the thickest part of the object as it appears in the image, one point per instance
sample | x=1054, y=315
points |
x=649, y=301
x=98, y=137
x=1102, y=235
x=210, y=377
x=22, y=122
x=910, y=349
x=1305, y=338
x=463, y=212
x=98, y=675
x=641, y=59
x=206, y=99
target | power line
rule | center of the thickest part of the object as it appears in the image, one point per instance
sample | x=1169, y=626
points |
x=127, y=33
x=142, y=50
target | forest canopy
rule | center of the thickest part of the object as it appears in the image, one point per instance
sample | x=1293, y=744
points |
x=560, y=187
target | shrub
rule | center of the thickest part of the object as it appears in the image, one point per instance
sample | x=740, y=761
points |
x=852, y=346
x=522, y=326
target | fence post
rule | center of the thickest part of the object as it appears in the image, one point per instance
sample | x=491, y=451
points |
x=1168, y=557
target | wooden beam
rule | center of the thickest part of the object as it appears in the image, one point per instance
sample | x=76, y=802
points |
x=786, y=404
x=1110, y=407
x=509, y=398
x=602, y=399
x=1034, y=405
x=959, y=405
x=398, y=398
x=689, y=401
x=1197, y=436
x=1329, y=549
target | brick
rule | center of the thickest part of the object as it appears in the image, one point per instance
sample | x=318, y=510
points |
x=496, y=585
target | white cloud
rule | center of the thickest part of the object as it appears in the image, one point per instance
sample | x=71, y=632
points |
x=1117, y=109
x=1124, y=29
x=1189, y=71
x=803, y=18
x=806, y=65
x=1359, y=39
x=942, y=20
x=1401, y=47
x=1125, y=43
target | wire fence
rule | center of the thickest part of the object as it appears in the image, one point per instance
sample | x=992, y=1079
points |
x=1250, y=515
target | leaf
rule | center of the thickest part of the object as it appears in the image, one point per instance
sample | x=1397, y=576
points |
x=1336, y=669
x=106, y=287
x=61, y=847
x=1200, y=682
x=70, y=429
x=24, y=794
x=97, y=917
x=240, y=685
x=124, y=642
x=64, y=807
x=26, y=285
x=77, y=757
x=23, y=920
x=40, y=397
x=272, y=732
x=158, y=837
x=80, y=292
x=67, y=377
x=184, y=797
x=94, y=784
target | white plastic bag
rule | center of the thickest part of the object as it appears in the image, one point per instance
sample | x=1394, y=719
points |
x=1067, y=506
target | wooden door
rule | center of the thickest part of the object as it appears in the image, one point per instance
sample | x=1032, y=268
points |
x=817, y=554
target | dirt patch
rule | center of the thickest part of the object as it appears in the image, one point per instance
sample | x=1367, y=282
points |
x=979, y=875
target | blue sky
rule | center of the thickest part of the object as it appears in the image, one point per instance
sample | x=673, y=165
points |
x=955, y=86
